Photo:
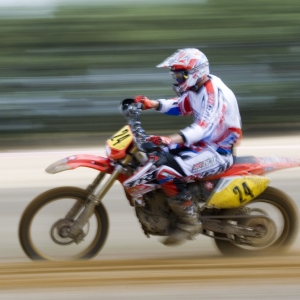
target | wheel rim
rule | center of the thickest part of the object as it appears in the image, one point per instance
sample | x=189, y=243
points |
x=277, y=227
x=41, y=226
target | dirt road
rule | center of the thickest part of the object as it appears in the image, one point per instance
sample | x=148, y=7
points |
x=149, y=272
x=192, y=278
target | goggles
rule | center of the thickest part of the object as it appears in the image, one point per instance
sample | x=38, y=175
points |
x=180, y=76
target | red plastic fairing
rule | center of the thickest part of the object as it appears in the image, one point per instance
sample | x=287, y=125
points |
x=239, y=170
x=257, y=166
x=99, y=163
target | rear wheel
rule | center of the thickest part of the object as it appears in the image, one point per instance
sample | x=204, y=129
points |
x=280, y=230
x=43, y=229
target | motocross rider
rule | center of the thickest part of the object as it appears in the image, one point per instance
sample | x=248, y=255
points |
x=202, y=149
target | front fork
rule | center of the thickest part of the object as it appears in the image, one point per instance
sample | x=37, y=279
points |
x=76, y=230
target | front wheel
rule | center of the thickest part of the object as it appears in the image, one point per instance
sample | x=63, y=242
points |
x=281, y=229
x=43, y=228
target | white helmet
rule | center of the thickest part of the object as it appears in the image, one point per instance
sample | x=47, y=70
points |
x=187, y=66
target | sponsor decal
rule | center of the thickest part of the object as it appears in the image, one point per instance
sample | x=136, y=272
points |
x=210, y=105
x=211, y=98
x=204, y=164
x=147, y=177
x=214, y=171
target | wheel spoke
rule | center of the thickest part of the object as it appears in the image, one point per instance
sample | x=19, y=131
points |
x=44, y=230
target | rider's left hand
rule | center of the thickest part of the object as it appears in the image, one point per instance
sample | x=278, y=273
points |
x=160, y=140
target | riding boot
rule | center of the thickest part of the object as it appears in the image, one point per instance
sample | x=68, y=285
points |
x=188, y=224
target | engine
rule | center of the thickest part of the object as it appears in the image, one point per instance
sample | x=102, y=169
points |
x=155, y=216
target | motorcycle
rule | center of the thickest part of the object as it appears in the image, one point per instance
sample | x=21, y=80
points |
x=237, y=207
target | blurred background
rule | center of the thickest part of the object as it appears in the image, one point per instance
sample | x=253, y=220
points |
x=65, y=65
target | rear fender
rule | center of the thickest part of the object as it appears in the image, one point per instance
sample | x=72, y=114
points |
x=274, y=163
x=246, y=165
x=99, y=163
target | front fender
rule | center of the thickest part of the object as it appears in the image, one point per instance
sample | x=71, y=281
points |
x=99, y=163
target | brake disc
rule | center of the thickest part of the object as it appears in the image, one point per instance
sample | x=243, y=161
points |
x=60, y=232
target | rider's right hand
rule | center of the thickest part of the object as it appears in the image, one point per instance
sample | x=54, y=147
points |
x=147, y=103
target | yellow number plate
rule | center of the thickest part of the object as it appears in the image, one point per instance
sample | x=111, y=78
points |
x=121, y=140
x=232, y=192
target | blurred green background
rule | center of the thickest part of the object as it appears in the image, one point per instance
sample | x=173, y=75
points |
x=63, y=71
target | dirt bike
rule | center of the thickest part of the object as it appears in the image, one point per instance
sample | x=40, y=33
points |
x=236, y=207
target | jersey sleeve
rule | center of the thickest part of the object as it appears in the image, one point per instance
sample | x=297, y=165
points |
x=169, y=107
x=179, y=106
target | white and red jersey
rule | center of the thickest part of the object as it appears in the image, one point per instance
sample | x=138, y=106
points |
x=217, y=121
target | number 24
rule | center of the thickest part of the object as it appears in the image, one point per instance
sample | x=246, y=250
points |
x=246, y=190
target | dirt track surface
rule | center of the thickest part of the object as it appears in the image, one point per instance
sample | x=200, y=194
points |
x=149, y=272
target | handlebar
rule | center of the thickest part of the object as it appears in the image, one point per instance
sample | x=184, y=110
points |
x=132, y=111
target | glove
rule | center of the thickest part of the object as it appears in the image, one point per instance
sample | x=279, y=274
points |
x=147, y=103
x=159, y=140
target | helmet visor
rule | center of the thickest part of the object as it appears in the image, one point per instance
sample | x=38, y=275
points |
x=179, y=76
